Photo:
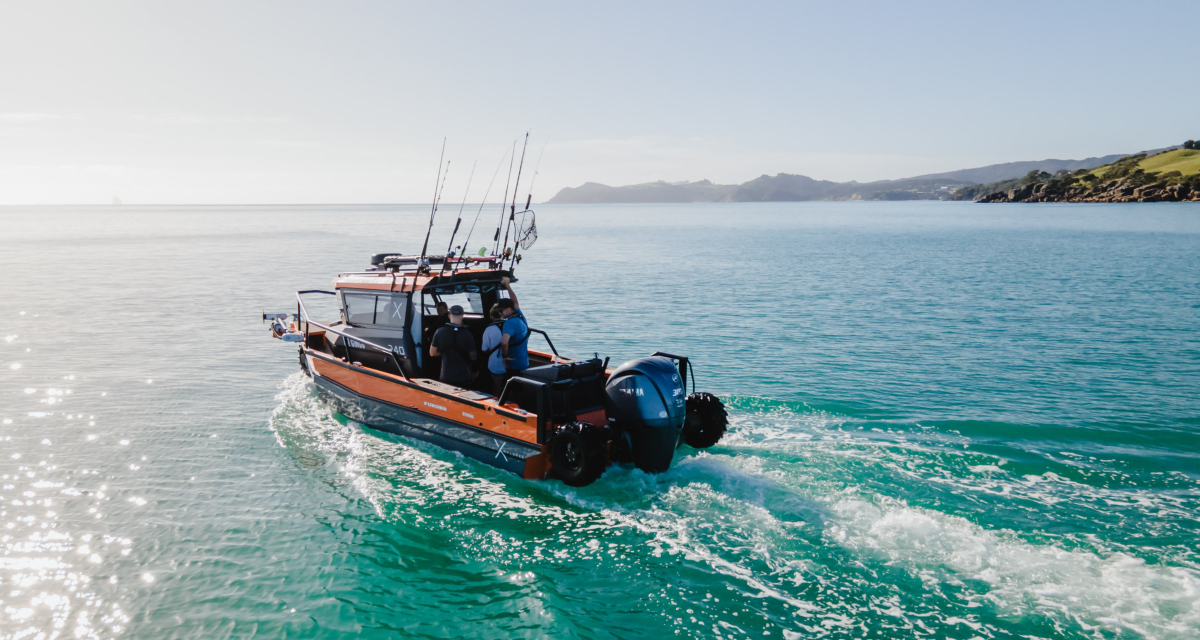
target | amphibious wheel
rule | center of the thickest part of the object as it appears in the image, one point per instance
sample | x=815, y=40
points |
x=576, y=456
x=706, y=420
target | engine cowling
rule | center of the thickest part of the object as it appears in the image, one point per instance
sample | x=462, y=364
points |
x=645, y=397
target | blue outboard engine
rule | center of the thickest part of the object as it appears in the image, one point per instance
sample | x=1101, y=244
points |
x=645, y=398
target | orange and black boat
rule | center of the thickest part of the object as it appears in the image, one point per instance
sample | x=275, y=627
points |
x=562, y=417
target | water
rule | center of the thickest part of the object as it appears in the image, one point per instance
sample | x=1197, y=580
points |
x=948, y=421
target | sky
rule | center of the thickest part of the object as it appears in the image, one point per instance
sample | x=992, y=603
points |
x=267, y=102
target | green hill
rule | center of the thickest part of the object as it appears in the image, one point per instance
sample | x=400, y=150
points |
x=1168, y=176
x=1185, y=161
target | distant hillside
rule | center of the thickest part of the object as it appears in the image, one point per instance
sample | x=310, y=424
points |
x=1169, y=176
x=785, y=187
x=1010, y=170
x=778, y=188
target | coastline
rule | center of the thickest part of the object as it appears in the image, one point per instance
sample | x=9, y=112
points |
x=1115, y=191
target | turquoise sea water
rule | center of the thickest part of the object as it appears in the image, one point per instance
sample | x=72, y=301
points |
x=948, y=421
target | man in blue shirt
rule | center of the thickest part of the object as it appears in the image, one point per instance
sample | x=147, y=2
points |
x=514, y=341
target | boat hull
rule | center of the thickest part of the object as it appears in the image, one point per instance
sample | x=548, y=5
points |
x=522, y=458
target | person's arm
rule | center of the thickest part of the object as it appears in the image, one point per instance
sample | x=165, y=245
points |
x=512, y=295
x=504, y=346
x=433, y=350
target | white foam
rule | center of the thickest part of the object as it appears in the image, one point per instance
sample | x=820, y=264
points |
x=1112, y=590
x=708, y=504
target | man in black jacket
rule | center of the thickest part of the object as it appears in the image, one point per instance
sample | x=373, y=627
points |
x=456, y=347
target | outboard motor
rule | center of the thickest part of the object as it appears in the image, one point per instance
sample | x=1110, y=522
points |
x=645, y=397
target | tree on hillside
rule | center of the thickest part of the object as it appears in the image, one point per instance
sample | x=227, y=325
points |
x=1190, y=144
x=1036, y=175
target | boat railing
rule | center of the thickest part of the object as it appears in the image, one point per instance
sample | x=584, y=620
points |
x=547, y=337
x=302, y=315
x=683, y=364
x=541, y=391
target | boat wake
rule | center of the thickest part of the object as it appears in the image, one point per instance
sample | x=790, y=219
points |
x=799, y=523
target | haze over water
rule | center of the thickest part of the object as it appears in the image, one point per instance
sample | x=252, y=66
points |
x=949, y=420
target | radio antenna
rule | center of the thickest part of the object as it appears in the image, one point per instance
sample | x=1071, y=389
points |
x=512, y=213
x=459, y=221
x=433, y=210
x=467, y=242
x=504, y=201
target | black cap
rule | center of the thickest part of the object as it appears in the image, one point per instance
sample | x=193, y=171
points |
x=505, y=303
x=456, y=310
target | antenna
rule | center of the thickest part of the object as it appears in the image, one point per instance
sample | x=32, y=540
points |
x=467, y=242
x=436, y=196
x=459, y=221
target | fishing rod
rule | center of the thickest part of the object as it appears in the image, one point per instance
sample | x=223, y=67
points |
x=528, y=201
x=503, y=201
x=516, y=187
x=535, y=172
x=433, y=211
x=459, y=221
x=467, y=242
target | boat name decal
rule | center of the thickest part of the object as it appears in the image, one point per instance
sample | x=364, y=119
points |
x=435, y=406
x=469, y=415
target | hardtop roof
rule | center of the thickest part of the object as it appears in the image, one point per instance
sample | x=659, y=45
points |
x=393, y=281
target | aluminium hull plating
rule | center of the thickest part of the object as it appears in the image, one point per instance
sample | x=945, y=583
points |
x=492, y=449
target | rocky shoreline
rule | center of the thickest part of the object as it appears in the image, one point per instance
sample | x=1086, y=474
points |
x=1167, y=176
x=1114, y=191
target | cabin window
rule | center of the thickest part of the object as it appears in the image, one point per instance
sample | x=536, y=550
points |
x=379, y=309
x=360, y=308
x=390, y=310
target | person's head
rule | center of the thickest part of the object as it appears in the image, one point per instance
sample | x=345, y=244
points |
x=494, y=314
x=456, y=314
x=506, y=306
x=442, y=309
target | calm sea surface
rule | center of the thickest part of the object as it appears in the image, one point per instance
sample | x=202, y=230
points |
x=948, y=421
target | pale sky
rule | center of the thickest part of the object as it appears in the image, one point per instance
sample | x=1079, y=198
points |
x=348, y=102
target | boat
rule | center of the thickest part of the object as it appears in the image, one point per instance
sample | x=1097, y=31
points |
x=562, y=418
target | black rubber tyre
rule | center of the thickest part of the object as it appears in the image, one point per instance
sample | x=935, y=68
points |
x=576, y=455
x=706, y=420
